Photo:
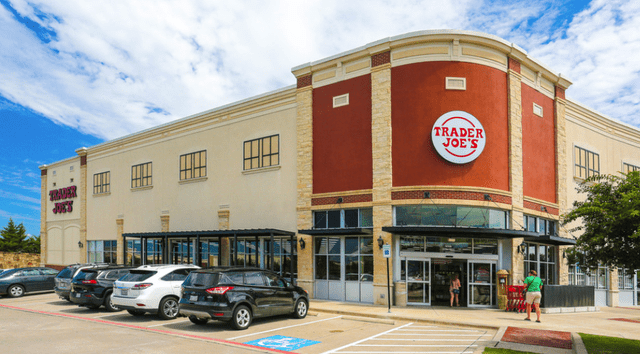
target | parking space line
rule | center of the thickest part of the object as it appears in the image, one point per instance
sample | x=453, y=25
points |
x=281, y=328
x=366, y=339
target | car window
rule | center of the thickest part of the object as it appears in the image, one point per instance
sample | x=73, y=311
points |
x=253, y=278
x=31, y=272
x=176, y=275
x=235, y=277
x=274, y=281
x=66, y=273
x=202, y=279
x=86, y=275
x=138, y=275
x=49, y=271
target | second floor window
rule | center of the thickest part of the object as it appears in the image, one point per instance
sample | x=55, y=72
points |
x=587, y=163
x=262, y=152
x=626, y=168
x=193, y=165
x=102, y=182
x=141, y=175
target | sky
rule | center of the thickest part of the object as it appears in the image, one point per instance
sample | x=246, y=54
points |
x=76, y=73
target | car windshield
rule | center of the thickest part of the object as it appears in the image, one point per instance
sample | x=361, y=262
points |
x=66, y=273
x=138, y=275
x=86, y=275
x=202, y=279
x=7, y=273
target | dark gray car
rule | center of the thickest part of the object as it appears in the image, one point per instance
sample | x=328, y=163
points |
x=17, y=282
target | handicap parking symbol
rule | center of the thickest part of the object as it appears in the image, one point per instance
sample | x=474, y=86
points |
x=282, y=343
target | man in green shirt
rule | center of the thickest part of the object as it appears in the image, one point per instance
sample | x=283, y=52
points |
x=534, y=285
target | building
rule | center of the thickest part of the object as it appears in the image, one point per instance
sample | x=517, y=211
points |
x=450, y=152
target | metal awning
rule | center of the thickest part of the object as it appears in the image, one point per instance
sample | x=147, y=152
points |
x=461, y=232
x=337, y=232
x=551, y=240
x=210, y=233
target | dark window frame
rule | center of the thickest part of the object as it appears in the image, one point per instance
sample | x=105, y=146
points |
x=256, y=159
x=627, y=167
x=142, y=175
x=192, y=166
x=102, y=182
x=585, y=169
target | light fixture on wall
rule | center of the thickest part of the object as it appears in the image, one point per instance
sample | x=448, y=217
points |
x=522, y=248
x=543, y=208
x=426, y=195
x=302, y=243
x=340, y=200
x=380, y=242
x=487, y=197
x=80, y=244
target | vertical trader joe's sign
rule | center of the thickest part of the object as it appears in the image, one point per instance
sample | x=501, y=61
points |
x=458, y=137
x=60, y=194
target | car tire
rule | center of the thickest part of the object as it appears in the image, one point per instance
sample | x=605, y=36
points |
x=168, y=308
x=136, y=312
x=108, y=304
x=301, y=309
x=198, y=321
x=15, y=290
x=241, y=318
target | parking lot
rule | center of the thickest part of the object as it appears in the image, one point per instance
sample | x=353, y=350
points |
x=44, y=323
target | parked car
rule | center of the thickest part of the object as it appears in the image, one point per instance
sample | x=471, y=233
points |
x=238, y=295
x=16, y=282
x=151, y=288
x=92, y=287
x=63, y=279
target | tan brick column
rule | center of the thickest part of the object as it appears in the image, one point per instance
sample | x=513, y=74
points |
x=119, y=240
x=43, y=215
x=223, y=224
x=82, y=194
x=614, y=289
x=382, y=173
x=516, y=182
x=561, y=176
x=304, y=161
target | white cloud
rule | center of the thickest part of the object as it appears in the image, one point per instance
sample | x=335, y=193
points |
x=117, y=67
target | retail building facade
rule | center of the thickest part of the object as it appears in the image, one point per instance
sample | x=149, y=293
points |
x=455, y=148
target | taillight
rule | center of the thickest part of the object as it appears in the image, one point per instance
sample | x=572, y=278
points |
x=220, y=290
x=92, y=281
x=142, y=286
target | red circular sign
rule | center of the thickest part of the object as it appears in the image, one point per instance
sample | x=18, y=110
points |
x=458, y=137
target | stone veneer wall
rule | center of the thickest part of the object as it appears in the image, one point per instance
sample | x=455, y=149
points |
x=19, y=260
x=561, y=178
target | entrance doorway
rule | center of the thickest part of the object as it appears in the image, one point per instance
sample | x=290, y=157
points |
x=443, y=271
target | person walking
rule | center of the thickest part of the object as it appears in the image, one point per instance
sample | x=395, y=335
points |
x=534, y=294
x=454, y=289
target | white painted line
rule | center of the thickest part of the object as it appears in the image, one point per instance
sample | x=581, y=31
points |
x=414, y=345
x=441, y=330
x=168, y=323
x=429, y=352
x=426, y=340
x=366, y=339
x=281, y=328
x=438, y=335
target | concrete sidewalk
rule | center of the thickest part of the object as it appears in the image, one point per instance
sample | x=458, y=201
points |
x=608, y=321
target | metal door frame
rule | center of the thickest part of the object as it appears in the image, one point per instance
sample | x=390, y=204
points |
x=470, y=283
x=428, y=281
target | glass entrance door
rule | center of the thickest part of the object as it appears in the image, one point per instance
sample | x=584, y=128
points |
x=418, y=281
x=481, y=280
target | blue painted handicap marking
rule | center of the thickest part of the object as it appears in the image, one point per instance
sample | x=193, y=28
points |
x=282, y=343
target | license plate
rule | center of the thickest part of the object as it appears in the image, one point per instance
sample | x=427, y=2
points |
x=78, y=295
x=193, y=298
x=124, y=292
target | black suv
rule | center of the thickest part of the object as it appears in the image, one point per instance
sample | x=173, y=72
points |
x=63, y=279
x=92, y=287
x=237, y=295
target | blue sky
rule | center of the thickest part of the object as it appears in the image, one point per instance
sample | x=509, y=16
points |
x=76, y=73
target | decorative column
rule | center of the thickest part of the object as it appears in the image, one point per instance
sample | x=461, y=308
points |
x=82, y=152
x=614, y=289
x=304, y=163
x=382, y=173
x=516, y=181
x=43, y=215
x=561, y=176
x=223, y=224
x=119, y=240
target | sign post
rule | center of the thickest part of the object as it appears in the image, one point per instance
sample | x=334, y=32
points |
x=386, y=252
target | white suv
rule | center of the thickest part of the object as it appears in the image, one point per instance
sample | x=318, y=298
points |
x=151, y=288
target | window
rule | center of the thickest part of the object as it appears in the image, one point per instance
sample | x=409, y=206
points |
x=262, y=152
x=134, y=253
x=447, y=245
x=542, y=259
x=540, y=225
x=328, y=261
x=141, y=175
x=625, y=279
x=358, y=259
x=193, y=165
x=102, y=182
x=626, y=168
x=102, y=251
x=154, y=251
x=343, y=218
x=209, y=250
x=283, y=257
x=587, y=163
x=450, y=215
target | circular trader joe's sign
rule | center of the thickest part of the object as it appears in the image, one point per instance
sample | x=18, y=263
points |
x=458, y=137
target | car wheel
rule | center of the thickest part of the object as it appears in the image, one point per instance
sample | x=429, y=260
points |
x=136, y=312
x=301, y=309
x=15, y=291
x=168, y=308
x=108, y=304
x=241, y=318
x=198, y=321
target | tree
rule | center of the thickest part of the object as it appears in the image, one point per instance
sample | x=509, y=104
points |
x=610, y=221
x=12, y=238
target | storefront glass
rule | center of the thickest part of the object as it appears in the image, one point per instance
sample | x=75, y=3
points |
x=450, y=215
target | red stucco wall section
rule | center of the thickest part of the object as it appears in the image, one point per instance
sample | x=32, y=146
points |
x=538, y=146
x=342, y=137
x=418, y=98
